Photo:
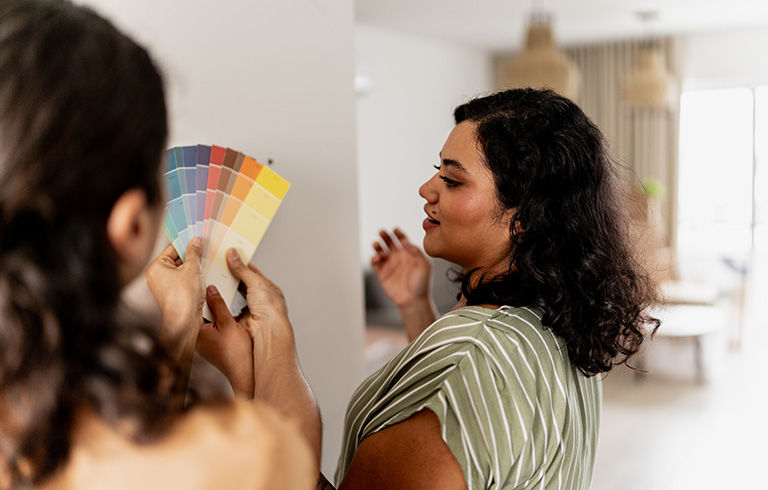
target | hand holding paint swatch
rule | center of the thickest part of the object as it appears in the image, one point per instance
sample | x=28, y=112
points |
x=226, y=198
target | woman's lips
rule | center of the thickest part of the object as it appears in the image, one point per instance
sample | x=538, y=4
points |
x=429, y=223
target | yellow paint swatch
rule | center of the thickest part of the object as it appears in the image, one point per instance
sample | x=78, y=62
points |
x=272, y=182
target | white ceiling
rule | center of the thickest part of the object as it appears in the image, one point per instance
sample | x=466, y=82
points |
x=499, y=25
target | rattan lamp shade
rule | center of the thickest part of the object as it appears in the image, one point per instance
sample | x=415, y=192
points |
x=541, y=64
x=649, y=85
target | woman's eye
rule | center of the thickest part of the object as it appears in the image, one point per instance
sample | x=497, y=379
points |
x=449, y=182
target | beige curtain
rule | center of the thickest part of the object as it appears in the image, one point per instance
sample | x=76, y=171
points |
x=645, y=141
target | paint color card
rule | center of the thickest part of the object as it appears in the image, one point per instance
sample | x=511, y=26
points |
x=227, y=174
x=175, y=221
x=203, y=161
x=179, y=208
x=225, y=197
x=214, y=171
x=189, y=155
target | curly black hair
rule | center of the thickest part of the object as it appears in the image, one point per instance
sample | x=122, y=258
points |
x=571, y=251
x=82, y=120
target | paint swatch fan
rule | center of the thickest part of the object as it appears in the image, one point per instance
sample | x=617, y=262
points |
x=226, y=198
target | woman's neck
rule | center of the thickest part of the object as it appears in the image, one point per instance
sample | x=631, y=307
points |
x=463, y=302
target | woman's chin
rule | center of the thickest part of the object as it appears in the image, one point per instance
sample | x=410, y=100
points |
x=435, y=252
x=430, y=248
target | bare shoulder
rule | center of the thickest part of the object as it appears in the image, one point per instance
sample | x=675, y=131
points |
x=234, y=445
x=243, y=435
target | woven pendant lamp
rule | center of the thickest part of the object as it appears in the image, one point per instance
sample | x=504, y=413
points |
x=649, y=85
x=541, y=64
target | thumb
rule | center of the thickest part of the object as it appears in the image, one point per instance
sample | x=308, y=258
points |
x=194, y=250
x=238, y=267
x=218, y=306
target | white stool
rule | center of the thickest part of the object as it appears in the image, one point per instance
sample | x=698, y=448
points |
x=689, y=292
x=694, y=321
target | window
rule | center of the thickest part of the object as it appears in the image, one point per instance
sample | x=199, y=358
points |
x=761, y=171
x=715, y=215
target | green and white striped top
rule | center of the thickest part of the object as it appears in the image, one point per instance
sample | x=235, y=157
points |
x=513, y=410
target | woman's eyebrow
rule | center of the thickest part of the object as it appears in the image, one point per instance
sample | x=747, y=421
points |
x=452, y=163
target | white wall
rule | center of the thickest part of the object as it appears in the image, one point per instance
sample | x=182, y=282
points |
x=403, y=119
x=273, y=79
x=725, y=59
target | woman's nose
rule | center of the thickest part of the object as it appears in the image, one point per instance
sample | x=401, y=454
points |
x=427, y=190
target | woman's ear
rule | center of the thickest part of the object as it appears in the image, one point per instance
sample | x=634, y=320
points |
x=132, y=231
x=518, y=223
x=507, y=217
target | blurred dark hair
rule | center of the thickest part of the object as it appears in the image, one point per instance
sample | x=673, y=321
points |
x=571, y=253
x=82, y=120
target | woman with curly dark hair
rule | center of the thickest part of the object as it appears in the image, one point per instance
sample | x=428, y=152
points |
x=88, y=397
x=504, y=390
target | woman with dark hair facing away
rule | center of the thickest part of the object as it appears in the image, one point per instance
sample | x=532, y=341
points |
x=503, y=392
x=87, y=398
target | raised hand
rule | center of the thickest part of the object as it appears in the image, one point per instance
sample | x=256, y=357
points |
x=402, y=269
x=405, y=275
x=178, y=290
x=178, y=287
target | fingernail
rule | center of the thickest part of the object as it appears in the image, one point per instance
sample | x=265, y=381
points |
x=232, y=254
x=213, y=291
x=196, y=242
